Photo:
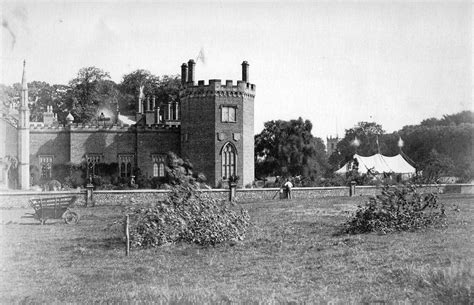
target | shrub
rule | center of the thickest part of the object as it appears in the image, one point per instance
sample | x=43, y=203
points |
x=187, y=215
x=398, y=208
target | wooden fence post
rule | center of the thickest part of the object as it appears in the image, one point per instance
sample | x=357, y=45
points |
x=127, y=235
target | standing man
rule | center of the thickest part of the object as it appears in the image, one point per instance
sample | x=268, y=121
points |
x=288, y=185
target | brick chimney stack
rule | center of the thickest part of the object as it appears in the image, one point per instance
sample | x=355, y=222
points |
x=184, y=74
x=191, y=65
x=245, y=71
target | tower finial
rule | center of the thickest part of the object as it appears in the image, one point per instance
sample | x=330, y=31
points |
x=23, y=77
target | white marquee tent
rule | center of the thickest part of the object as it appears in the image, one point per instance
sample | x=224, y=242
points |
x=379, y=164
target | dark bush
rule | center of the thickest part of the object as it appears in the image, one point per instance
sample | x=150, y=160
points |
x=187, y=215
x=398, y=208
x=61, y=171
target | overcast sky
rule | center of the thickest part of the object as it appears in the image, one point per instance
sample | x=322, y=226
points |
x=395, y=63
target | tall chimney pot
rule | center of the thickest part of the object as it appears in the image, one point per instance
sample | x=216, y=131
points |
x=184, y=74
x=191, y=65
x=245, y=71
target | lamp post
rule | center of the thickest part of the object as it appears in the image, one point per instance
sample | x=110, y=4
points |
x=102, y=118
x=90, y=193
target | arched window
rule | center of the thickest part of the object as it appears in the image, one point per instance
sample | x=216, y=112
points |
x=158, y=165
x=126, y=162
x=46, y=165
x=122, y=170
x=229, y=158
x=161, y=172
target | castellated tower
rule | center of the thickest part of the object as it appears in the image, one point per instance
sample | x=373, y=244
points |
x=331, y=146
x=24, y=136
x=217, y=132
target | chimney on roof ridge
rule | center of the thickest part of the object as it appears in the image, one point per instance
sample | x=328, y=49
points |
x=245, y=71
x=191, y=65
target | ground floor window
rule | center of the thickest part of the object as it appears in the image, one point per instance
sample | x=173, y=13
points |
x=46, y=166
x=92, y=161
x=158, y=165
x=228, y=156
x=126, y=165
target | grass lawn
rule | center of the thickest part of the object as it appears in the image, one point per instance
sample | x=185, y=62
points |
x=291, y=253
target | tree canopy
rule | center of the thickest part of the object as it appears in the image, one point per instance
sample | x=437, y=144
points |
x=287, y=148
x=361, y=139
x=89, y=90
x=164, y=88
x=436, y=147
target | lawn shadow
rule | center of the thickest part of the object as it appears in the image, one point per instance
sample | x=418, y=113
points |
x=109, y=243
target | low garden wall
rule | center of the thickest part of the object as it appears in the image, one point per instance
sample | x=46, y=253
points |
x=19, y=199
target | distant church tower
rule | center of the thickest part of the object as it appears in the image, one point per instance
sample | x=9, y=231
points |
x=24, y=136
x=331, y=145
x=217, y=132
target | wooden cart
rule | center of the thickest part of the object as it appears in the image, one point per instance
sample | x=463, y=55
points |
x=54, y=208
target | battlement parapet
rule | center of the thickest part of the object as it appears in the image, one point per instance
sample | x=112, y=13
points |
x=77, y=127
x=168, y=126
x=215, y=87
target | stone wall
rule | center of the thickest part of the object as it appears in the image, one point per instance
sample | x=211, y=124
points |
x=73, y=143
x=19, y=199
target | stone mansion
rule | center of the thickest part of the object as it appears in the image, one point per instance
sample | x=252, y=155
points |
x=212, y=125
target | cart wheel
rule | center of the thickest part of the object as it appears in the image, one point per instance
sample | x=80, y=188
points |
x=70, y=217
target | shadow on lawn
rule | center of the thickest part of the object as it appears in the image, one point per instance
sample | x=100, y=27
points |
x=95, y=243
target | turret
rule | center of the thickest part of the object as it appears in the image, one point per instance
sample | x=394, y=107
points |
x=48, y=116
x=139, y=108
x=24, y=135
x=217, y=127
x=69, y=119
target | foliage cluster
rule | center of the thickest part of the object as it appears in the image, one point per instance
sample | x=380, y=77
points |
x=287, y=148
x=398, y=208
x=107, y=176
x=187, y=215
x=90, y=93
x=435, y=147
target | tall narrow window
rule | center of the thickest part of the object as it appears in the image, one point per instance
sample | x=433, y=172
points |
x=158, y=165
x=228, y=157
x=46, y=165
x=92, y=161
x=228, y=113
x=126, y=164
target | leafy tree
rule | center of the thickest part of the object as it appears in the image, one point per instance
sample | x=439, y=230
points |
x=450, y=119
x=89, y=89
x=10, y=95
x=168, y=89
x=41, y=93
x=165, y=89
x=287, y=148
x=436, y=166
x=367, y=135
x=453, y=141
